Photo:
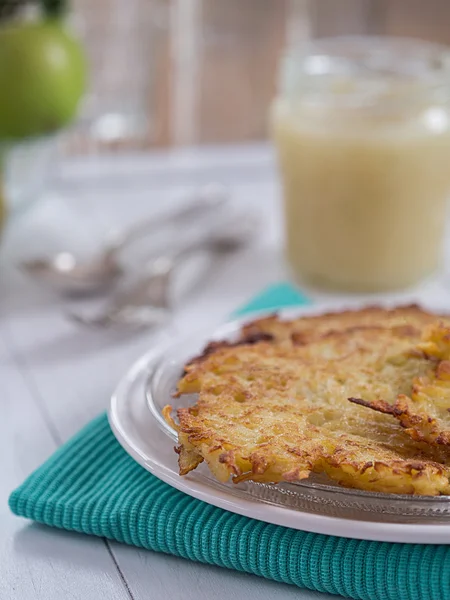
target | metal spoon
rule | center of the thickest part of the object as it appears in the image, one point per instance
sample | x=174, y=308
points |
x=69, y=276
x=147, y=303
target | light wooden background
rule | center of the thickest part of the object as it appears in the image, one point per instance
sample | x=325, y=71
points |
x=210, y=65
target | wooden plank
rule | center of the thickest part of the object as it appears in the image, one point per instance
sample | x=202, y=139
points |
x=157, y=576
x=38, y=563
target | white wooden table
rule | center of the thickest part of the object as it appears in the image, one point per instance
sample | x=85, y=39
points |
x=54, y=377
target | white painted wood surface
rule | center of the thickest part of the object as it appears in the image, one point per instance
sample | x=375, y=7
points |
x=56, y=377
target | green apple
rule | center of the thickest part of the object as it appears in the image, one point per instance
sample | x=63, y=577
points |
x=42, y=78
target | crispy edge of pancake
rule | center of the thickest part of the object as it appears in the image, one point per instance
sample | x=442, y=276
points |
x=301, y=330
x=411, y=412
x=261, y=329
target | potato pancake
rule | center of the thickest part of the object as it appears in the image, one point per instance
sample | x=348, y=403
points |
x=274, y=406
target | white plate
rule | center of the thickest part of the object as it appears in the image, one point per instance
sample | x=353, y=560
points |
x=138, y=433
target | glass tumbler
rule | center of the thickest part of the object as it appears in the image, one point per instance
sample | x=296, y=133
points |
x=126, y=44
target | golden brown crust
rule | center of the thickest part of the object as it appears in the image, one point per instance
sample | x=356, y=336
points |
x=424, y=413
x=249, y=338
x=306, y=329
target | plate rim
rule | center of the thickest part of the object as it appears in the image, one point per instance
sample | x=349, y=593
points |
x=233, y=326
x=379, y=531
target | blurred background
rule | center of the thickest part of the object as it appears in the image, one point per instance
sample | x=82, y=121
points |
x=102, y=100
x=170, y=73
x=204, y=71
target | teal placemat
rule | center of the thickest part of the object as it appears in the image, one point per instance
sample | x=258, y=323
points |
x=91, y=485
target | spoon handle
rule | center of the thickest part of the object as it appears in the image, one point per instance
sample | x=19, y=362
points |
x=230, y=233
x=210, y=197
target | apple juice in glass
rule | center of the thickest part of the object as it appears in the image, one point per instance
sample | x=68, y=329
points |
x=362, y=131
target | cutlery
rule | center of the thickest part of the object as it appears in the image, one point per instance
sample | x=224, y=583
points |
x=148, y=302
x=70, y=276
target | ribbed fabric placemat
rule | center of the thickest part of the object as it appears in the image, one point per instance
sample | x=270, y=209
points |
x=92, y=486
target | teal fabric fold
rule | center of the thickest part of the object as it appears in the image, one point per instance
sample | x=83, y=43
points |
x=91, y=485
